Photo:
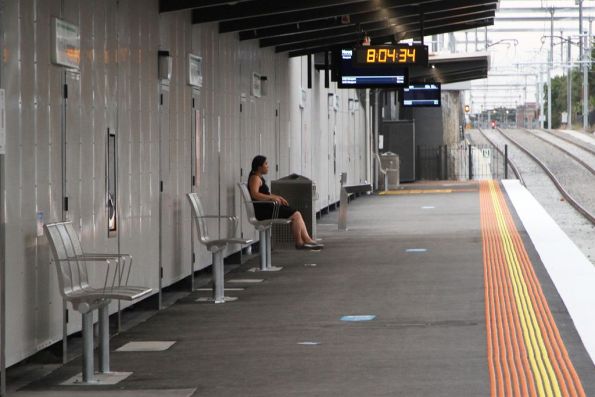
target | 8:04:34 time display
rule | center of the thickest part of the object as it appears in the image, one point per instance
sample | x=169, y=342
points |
x=396, y=54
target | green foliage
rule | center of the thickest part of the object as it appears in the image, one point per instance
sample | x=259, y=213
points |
x=559, y=94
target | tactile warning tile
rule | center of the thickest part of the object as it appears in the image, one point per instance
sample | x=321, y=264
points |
x=526, y=354
x=146, y=346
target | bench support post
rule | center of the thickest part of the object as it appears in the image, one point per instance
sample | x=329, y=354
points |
x=88, y=347
x=263, y=249
x=269, y=233
x=218, y=277
x=104, y=338
x=343, y=210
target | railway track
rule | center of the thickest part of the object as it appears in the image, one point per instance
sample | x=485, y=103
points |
x=573, y=156
x=567, y=196
x=512, y=165
x=584, y=146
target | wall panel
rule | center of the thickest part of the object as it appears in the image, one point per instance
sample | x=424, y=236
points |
x=117, y=89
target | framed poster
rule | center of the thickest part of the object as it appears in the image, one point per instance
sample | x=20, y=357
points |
x=256, y=92
x=194, y=70
x=66, y=44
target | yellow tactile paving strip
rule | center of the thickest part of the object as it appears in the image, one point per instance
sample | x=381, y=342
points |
x=423, y=191
x=526, y=355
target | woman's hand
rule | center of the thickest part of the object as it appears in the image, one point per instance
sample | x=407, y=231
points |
x=280, y=200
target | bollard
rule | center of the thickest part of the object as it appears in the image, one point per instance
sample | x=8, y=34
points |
x=505, y=161
x=470, y=163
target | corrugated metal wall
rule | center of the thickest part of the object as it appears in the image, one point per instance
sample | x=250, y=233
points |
x=117, y=89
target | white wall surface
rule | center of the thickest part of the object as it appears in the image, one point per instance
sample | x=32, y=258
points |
x=117, y=89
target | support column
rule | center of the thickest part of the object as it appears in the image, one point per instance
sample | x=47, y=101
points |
x=569, y=84
x=549, y=71
x=2, y=230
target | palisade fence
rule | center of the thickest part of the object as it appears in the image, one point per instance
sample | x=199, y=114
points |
x=461, y=162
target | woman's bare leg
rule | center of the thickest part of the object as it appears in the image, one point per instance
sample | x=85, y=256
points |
x=296, y=228
x=300, y=232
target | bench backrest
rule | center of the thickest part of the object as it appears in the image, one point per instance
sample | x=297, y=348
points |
x=197, y=214
x=248, y=202
x=65, y=245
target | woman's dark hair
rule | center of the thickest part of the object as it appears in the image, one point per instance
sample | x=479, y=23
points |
x=258, y=161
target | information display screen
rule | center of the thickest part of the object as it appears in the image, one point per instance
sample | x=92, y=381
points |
x=424, y=94
x=352, y=75
x=398, y=54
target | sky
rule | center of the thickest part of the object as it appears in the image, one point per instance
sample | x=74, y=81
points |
x=519, y=49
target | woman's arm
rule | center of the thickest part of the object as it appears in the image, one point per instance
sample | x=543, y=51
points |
x=254, y=184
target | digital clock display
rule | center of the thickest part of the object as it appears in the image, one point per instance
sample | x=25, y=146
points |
x=394, y=54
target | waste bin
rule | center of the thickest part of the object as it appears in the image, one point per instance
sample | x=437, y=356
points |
x=300, y=192
x=390, y=162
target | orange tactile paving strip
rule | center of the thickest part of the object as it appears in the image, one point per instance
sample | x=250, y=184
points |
x=526, y=355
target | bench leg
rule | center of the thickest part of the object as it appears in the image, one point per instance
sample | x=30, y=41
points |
x=343, y=210
x=263, y=250
x=269, y=233
x=88, y=371
x=104, y=339
x=219, y=279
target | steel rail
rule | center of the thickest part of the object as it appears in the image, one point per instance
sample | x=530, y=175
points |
x=513, y=166
x=574, y=157
x=584, y=212
x=567, y=139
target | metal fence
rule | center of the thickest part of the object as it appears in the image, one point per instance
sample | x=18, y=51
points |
x=461, y=162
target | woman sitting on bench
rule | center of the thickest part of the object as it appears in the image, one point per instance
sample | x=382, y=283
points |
x=259, y=191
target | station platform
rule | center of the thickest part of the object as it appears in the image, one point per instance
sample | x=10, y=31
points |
x=438, y=290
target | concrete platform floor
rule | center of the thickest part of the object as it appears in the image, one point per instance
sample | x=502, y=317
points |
x=285, y=336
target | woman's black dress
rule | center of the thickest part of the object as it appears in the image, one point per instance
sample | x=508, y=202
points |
x=265, y=210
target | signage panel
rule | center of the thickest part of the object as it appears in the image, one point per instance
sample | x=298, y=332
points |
x=194, y=70
x=66, y=40
x=398, y=54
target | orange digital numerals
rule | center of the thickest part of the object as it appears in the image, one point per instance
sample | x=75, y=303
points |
x=384, y=55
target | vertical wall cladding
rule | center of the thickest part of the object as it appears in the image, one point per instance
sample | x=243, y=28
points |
x=132, y=104
x=117, y=89
x=176, y=36
x=33, y=173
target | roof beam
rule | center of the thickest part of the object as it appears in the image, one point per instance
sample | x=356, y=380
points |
x=181, y=5
x=320, y=13
x=480, y=12
x=259, y=8
x=401, y=31
x=382, y=39
x=355, y=19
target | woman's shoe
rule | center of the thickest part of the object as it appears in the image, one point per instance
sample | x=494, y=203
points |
x=308, y=246
x=314, y=246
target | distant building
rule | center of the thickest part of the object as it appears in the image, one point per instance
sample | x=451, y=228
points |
x=527, y=115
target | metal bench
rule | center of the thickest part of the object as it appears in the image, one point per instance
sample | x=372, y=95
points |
x=344, y=200
x=263, y=226
x=214, y=246
x=73, y=278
